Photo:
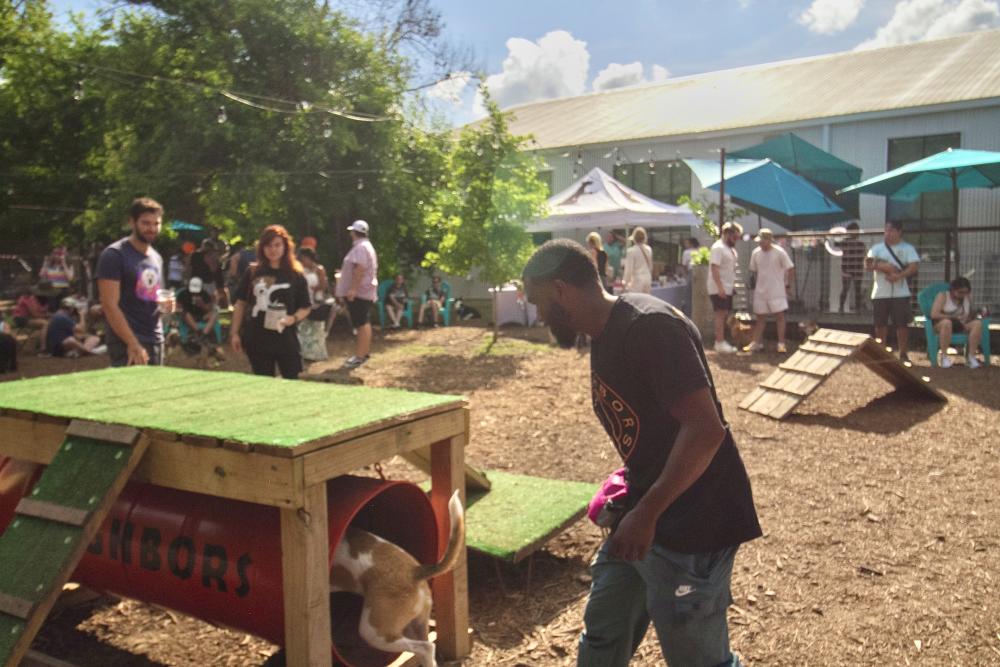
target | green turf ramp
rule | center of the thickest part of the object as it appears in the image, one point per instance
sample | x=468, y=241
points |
x=54, y=525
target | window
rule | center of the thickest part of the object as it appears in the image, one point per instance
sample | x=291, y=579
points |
x=667, y=181
x=930, y=211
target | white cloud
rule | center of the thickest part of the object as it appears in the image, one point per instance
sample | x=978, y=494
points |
x=617, y=75
x=829, y=16
x=554, y=66
x=450, y=89
x=744, y=3
x=916, y=20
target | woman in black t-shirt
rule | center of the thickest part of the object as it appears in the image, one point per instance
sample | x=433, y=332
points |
x=600, y=257
x=277, y=290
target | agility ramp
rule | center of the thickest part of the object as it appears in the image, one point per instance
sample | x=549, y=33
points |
x=819, y=358
x=53, y=526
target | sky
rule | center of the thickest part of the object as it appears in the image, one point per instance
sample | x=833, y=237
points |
x=532, y=50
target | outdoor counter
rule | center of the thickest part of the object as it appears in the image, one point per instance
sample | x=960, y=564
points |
x=266, y=441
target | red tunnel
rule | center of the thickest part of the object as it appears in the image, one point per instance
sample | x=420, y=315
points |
x=220, y=560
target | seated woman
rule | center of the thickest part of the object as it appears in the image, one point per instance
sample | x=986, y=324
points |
x=952, y=314
x=436, y=298
x=65, y=338
x=395, y=301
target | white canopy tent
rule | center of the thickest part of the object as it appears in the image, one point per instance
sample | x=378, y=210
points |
x=598, y=201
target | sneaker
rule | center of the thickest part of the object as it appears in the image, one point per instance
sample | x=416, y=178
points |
x=973, y=363
x=725, y=347
x=905, y=358
x=946, y=361
x=100, y=349
x=752, y=347
x=782, y=348
x=354, y=361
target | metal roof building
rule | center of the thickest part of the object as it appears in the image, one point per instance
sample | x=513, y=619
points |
x=877, y=109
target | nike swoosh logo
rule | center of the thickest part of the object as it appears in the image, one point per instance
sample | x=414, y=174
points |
x=683, y=590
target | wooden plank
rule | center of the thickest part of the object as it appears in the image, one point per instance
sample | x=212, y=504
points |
x=785, y=405
x=475, y=480
x=122, y=435
x=13, y=605
x=305, y=567
x=451, y=589
x=785, y=390
x=789, y=367
x=200, y=440
x=65, y=482
x=41, y=509
x=383, y=445
x=253, y=477
x=827, y=349
x=751, y=398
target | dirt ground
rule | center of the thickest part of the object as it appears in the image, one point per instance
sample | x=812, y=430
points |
x=881, y=515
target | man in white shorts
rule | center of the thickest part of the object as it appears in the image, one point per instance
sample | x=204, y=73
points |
x=774, y=273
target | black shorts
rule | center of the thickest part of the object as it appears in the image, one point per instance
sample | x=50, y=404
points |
x=263, y=362
x=896, y=308
x=359, y=309
x=721, y=303
x=956, y=324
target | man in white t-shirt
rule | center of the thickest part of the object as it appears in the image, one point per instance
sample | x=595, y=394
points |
x=358, y=285
x=773, y=273
x=892, y=261
x=722, y=281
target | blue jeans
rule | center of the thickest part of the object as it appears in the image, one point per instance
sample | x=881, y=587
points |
x=685, y=596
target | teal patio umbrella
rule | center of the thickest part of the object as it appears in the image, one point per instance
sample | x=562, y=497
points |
x=824, y=170
x=953, y=169
x=767, y=188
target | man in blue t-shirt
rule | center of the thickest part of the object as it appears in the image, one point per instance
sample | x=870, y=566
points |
x=689, y=506
x=129, y=278
x=893, y=262
x=65, y=338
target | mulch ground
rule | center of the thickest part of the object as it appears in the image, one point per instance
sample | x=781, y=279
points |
x=880, y=514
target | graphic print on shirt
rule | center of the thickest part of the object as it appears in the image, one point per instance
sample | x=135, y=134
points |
x=263, y=288
x=619, y=419
x=147, y=282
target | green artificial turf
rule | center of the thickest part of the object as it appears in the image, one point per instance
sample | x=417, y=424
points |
x=520, y=511
x=228, y=406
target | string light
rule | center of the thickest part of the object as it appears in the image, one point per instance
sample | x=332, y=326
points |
x=78, y=92
x=361, y=184
x=222, y=117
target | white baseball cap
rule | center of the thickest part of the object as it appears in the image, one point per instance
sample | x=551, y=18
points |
x=359, y=226
x=195, y=285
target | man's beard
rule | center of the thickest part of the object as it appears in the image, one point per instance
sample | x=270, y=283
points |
x=559, y=326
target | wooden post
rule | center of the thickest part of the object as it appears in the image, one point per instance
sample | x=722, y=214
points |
x=451, y=590
x=305, y=566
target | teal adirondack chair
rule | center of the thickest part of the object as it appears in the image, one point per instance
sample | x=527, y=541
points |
x=448, y=303
x=383, y=296
x=926, y=299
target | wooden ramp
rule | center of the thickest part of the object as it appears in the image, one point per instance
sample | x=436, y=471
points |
x=819, y=358
x=53, y=526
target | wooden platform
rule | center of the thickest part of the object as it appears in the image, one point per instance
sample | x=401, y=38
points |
x=821, y=356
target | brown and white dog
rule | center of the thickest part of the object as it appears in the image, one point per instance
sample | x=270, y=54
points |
x=397, y=599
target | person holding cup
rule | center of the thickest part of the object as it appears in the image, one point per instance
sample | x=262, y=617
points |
x=129, y=281
x=276, y=287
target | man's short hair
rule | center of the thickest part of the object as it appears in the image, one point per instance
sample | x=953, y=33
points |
x=143, y=205
x=562, y=259
x=895, y=224
x=733, y=227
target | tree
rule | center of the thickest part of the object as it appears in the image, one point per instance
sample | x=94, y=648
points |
x=492, y=192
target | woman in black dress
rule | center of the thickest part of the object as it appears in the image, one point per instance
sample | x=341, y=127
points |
x=279, y=294
x=596, y=248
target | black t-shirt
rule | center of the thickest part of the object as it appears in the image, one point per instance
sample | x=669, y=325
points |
x=271, y=289
x=208, y=275
x=648, y=357
x=197, y=305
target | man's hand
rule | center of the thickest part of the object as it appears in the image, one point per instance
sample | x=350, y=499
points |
x=137, y=355
x=633, y=536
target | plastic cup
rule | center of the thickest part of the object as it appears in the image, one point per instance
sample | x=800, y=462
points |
x=163, y=298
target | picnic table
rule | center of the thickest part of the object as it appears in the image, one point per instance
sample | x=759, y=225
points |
x=266, y=441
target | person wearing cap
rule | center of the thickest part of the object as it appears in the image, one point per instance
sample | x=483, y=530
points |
x=722, y=261
x=56, y=271
x=358, y=285
x=197, y=308
x=773, y=275
x=65, y=338
x=129, y=278
x=207, y=265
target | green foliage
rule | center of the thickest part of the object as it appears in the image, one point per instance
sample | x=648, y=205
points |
x=708, y=212
x=148, y=123
x=491, y=193
x=701, y=255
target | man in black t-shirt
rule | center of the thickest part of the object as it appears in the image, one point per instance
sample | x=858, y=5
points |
x=669, y=559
